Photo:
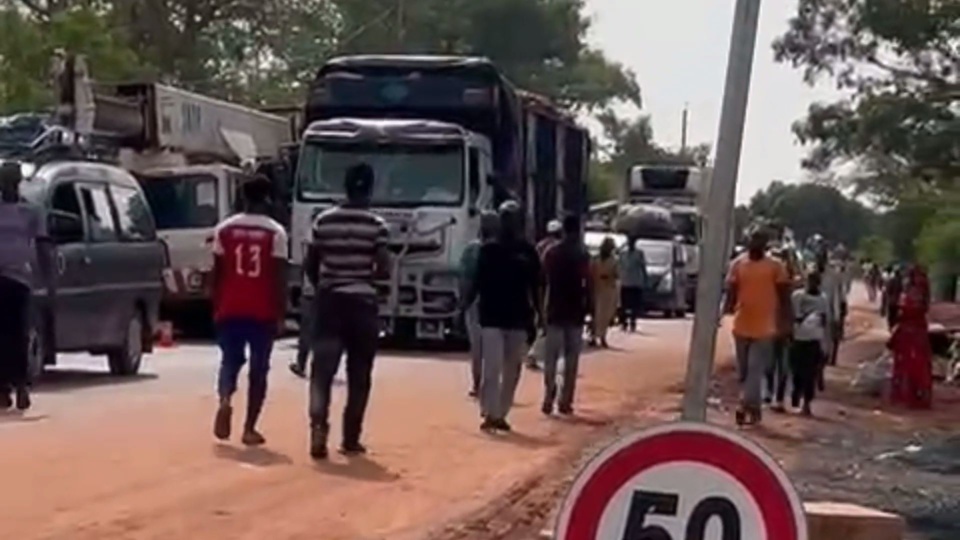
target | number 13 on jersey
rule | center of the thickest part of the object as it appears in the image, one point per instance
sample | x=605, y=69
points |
x=248, y=259
x=682, y=481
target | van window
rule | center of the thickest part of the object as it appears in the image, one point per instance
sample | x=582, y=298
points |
x=133, y=214
x=65, y=199
x=98, y=213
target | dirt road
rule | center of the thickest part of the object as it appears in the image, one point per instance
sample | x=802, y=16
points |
x=98, y=459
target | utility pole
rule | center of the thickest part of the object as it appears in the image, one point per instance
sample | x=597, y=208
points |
x=719, y=211
x=683, y=128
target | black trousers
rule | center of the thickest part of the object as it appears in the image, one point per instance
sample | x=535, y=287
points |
x=631, y=303
x=14, y=333
x=344, y=323
x=806, y=361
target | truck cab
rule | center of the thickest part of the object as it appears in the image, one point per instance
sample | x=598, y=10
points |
x=431, y=183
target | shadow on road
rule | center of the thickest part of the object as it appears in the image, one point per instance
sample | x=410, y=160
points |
x=256, y=456
x=18, y=417
x=67, y=380
x=358, y=468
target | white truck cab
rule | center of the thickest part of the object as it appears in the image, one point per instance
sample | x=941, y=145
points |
x=431, y=182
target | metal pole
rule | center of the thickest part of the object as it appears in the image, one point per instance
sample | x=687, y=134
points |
x=719, y=211
x=683, y=129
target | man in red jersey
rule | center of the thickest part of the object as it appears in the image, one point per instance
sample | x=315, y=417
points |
x=249, y=292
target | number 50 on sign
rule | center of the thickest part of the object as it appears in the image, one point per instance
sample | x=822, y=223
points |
x=682, y=481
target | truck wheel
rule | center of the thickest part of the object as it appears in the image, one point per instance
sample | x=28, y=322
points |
x=36, y=353
x=126, y=359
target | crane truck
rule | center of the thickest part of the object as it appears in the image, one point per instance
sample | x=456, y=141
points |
x=447, y=137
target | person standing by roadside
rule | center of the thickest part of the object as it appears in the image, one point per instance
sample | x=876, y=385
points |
x=508, y=286
x=633, y=278
x=807, y=347
x=758, y=294
x=605, y=274
x=567, y=271
x=489, y=225
x=554, y=235
x=348, y=253
x=249, y=291
x=22, y=264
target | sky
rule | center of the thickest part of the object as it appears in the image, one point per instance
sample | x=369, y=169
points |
x=678, y=49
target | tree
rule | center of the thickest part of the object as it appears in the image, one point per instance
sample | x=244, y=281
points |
x=811, y=208
x=899, y=61
x=876, y=248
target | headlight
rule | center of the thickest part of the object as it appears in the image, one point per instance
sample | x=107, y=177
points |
x=666, y=283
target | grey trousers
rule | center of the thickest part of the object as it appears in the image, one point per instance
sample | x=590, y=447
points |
x=502, y=362
x=753, y=358
x=472, y=320
x=567, y=340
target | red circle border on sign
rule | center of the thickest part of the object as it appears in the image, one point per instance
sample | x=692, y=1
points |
x=581, y=516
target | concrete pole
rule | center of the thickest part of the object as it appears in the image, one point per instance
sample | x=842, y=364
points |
x=719, y=211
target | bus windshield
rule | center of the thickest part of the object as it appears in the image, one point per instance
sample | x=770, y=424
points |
x=182, y=201
x=406, y=175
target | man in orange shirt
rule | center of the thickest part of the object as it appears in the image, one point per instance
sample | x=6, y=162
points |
x=758, y=294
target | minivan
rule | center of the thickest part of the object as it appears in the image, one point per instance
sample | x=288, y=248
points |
x=107, y=262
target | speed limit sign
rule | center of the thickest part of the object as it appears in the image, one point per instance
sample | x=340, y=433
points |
x=682, y=481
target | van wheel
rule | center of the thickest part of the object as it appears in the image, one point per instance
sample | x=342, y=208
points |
x=126, y=360
x=36, y=353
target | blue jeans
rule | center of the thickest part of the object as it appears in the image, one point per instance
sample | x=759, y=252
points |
x=234, y=336
x=566, y=340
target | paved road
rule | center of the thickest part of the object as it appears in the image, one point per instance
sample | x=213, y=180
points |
x=103, y=458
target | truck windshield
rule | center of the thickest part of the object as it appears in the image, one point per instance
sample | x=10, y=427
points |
x=656, y=254
x=406, y=175
x=687, y=225
x=182, y=201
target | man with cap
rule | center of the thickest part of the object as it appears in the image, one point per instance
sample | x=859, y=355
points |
x=21, y=260
x=348, y=253
x=489, y=224
x=554, y=236
x=508, y=286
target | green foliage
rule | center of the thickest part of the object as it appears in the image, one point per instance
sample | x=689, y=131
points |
x=27, y=45
x=898, y=61
x=810, y=209
x=876, y=248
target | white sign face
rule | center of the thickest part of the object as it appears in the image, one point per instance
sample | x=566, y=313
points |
x=682, y=481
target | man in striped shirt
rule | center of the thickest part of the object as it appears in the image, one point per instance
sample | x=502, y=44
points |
x=348, y=252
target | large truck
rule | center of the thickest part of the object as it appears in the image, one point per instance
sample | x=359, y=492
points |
x=447, y=137
x=681, y=190
x=190, y=154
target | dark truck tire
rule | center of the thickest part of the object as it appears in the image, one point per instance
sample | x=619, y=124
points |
x=125, y=360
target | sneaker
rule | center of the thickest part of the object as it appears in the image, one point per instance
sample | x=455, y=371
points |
x=5, y=400
x=23, y=398
x=298, y=370
x=502, y=425
x=565, y=410
x=547, y=408
x=806, y=410
x=318, y=444
x=353, y=449
x=252, y=437
x=222, y=422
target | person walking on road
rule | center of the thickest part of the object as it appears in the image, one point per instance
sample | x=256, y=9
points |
x=777, y=372
x=348, y=253
x=554, y=236
x=807, y=354
x=249, y=291
x=567, y=271
x=606, y=289
x=489, y=225
x=835, y=289
x=22, y=264
x=508, y=286
x=912, y=381
x=633, y=278
x=892, y=290
x=758, y=294
x=874, y=280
